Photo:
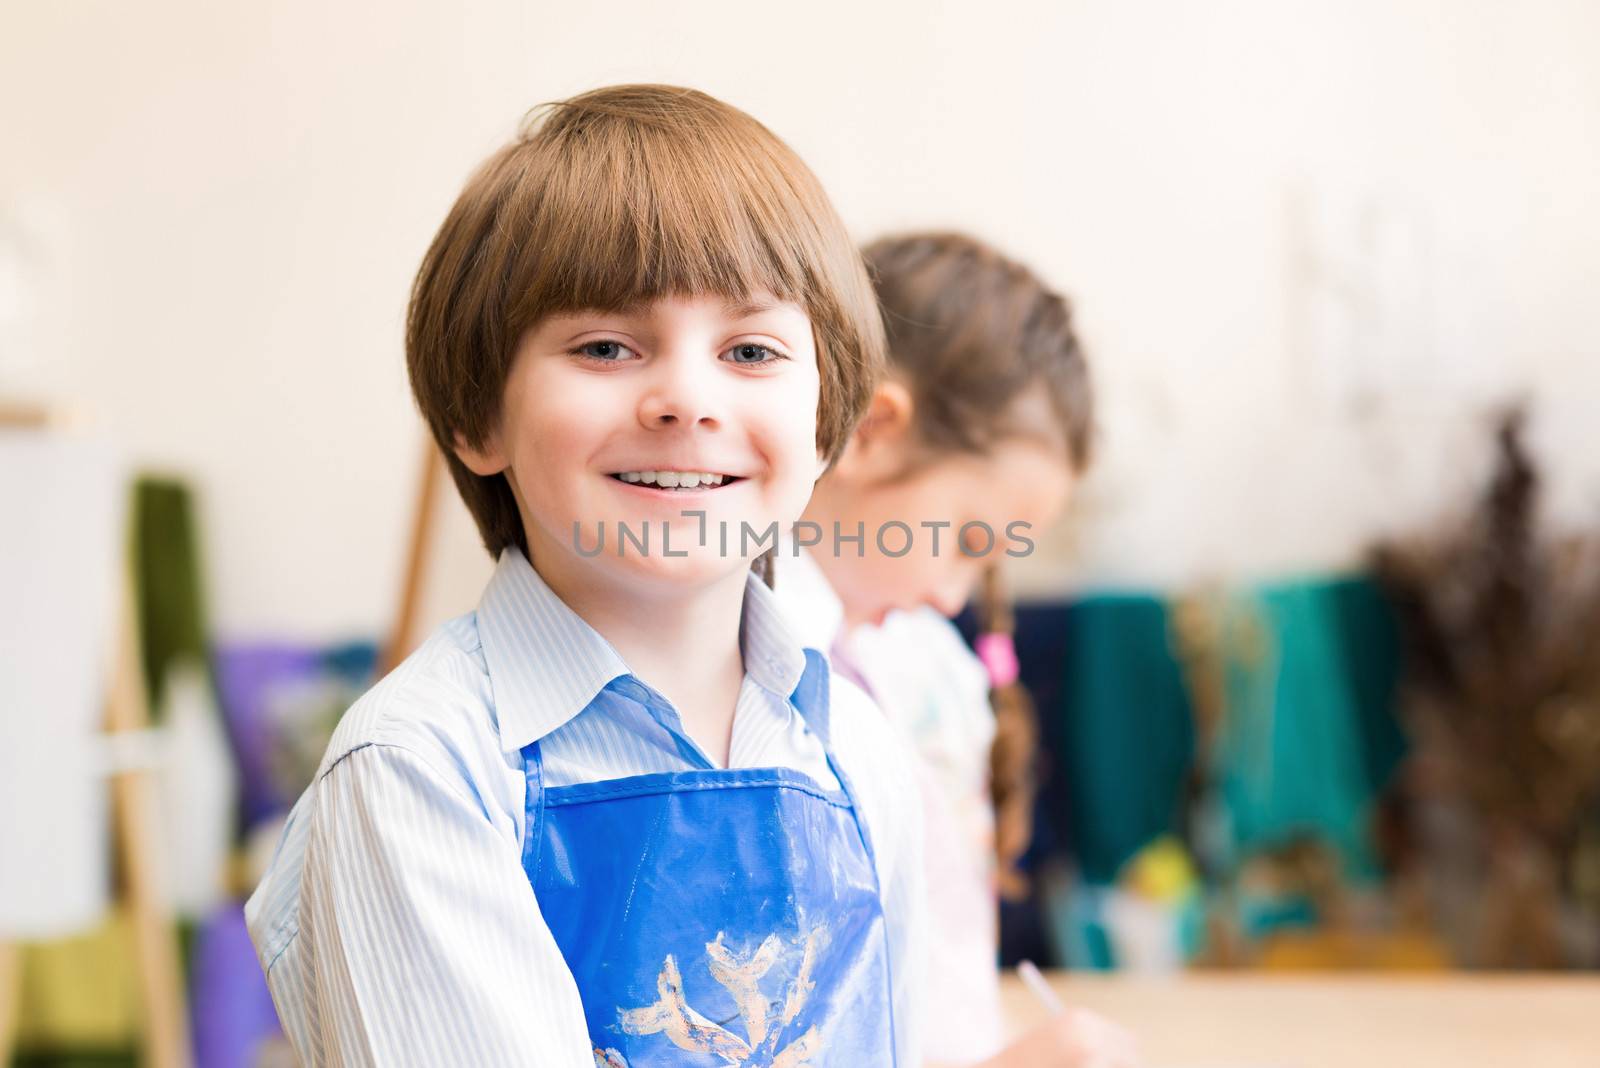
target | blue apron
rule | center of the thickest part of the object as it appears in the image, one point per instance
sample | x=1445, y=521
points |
x=718, y=916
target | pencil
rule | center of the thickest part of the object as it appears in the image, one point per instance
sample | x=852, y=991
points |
x=1036, y=982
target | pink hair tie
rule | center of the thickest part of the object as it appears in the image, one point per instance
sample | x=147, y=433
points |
x=999, y=656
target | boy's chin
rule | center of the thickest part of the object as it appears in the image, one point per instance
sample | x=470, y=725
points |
x=699, y=568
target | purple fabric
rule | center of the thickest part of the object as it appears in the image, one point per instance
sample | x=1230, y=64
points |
x=232, y=1007
x=246, y=674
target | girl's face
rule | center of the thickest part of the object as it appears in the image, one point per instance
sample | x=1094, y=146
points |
x=1022, y=480
x=630, y=419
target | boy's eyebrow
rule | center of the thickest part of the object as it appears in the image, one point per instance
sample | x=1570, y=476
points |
x=631, y=310
x=733, y=308
x=744, y=309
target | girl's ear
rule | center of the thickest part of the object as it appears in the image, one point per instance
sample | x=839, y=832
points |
x=485, y=460
x=878, y=446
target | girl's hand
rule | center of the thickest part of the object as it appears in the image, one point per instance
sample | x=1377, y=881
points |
x=1075, y=1038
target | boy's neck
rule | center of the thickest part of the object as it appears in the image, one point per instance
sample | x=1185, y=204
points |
x=685, y=645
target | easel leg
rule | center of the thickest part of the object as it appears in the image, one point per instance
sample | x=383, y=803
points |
x=403, y=633
x=10, y=995
x=155, y=943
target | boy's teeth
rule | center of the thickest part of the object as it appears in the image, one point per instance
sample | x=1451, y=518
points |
x=673, y=479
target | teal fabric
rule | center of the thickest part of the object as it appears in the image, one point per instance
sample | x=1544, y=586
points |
x=1121, y=734
x=1308, y=735
x=1370, y=635
x=1083, y=937
x=1307, y=741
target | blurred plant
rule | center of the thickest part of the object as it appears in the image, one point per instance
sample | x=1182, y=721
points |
x=1501, y=631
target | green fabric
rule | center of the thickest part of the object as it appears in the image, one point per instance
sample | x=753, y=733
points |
x=1123, y=735
x=1308, y=734
x=167, y=583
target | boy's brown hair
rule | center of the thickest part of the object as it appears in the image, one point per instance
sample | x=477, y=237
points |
x=613, y=198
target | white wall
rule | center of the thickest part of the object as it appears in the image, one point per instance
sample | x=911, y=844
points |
x=1271, y=215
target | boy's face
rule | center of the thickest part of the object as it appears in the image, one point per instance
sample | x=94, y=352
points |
x=616, y=419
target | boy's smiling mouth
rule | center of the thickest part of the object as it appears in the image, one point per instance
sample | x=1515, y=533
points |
x=675, y=481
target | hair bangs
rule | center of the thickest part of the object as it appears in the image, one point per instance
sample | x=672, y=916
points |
x=688, y=205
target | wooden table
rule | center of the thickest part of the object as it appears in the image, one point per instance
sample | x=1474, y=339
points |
x=1214, y=1020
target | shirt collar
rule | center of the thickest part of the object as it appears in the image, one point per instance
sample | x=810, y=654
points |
x=546, y=664
x=773, y=657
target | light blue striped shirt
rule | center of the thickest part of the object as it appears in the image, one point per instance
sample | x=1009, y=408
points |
x=396, y=924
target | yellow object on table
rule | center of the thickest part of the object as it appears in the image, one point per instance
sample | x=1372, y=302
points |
x=1220, y=1020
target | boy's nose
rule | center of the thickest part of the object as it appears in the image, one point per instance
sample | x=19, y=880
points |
x=679, y=397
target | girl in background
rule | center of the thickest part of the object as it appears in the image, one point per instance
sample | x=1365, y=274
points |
x=982, y=424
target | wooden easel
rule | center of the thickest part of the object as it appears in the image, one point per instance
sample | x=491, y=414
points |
x=403, y=631
x=155, y=941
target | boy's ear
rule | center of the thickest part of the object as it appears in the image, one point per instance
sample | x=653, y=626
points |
x=485, y=460
x=879, y=442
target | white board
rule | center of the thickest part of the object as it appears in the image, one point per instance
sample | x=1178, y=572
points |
x=61, y=545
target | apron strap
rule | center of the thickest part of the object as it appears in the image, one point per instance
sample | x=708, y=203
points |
x=533, y=812
x=811, y=695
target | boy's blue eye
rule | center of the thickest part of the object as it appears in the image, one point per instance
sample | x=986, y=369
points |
x=603, y=350
x=753, y=353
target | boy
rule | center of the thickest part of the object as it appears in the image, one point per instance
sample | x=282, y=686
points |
x=617, y=815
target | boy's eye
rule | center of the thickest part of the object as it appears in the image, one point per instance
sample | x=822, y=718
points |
x=749, y=352
x=607, y=351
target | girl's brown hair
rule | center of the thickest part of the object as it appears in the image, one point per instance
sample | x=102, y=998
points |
x=1014, y=754
x=614, y=198
x=973, y=334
